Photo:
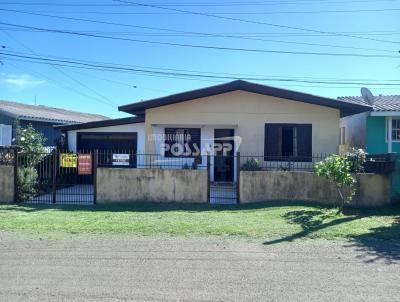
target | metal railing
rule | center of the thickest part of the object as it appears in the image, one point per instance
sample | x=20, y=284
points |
x=254, y=162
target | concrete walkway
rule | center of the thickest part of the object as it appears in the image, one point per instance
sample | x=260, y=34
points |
x=182, y=270
x=76, y=194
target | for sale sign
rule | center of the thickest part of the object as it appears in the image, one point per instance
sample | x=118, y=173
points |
x=120, y=160
x=68, y=160
x=84, y=164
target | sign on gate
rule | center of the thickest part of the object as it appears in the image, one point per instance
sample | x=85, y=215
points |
x=68, y=160
x=84, y=164
x=120, y=160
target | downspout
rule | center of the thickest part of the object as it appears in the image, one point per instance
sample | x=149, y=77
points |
x=389, y=134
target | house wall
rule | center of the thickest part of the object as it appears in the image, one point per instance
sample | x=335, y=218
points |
x=6, y=184
x=138, y=127
x=373, y=190
x=247, y=113
x=355, y=130
x=51, y=134
x=153, y=185
x=376, y=136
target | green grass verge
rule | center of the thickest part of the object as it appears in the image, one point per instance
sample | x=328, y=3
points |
x=271, y=223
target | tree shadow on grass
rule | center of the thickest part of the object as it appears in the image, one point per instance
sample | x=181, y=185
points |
x=310, y=221
x=380, y=244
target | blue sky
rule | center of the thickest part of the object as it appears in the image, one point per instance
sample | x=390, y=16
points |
x=102, y=91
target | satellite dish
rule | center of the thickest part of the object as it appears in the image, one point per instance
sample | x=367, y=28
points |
x=367, y=95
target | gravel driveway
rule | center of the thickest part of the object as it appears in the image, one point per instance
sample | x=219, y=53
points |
x=190, y=270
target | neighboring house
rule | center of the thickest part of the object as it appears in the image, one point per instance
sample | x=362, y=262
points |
x=42, y=119
x=377, y=131
x=252, y=118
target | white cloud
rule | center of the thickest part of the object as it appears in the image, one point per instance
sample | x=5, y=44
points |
x=21, y=81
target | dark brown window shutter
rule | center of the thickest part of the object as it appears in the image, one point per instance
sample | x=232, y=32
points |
x=271, y=139
x=304, y=142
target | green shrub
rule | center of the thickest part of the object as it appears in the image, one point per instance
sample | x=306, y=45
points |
x=338, y=170
x=28, y=182
x=251, y=165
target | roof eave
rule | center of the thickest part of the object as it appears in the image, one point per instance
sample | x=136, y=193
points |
x=100, y=124
x=344, y=107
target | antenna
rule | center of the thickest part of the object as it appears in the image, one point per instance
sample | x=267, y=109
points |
x=367, y=95
x=35, y=100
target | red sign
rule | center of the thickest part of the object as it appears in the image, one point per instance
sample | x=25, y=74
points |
x=84, y=164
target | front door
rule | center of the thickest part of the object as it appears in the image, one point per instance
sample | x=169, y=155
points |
x=224, y=155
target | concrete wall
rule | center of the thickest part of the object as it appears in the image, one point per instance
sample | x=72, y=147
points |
x=247, y=113
x=373, y=190
x=137, y=127
x=6, y=184
x=355, y=129
x=158, y=185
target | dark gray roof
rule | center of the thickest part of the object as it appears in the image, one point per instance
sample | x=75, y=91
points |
x=380, y=103
x=346, y=108
x=105, y=123
x=46, y=114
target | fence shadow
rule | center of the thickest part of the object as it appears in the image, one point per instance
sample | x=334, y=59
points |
x=151, y=207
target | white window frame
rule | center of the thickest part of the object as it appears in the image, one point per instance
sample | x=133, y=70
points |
x=1, y=135
x=397, y=119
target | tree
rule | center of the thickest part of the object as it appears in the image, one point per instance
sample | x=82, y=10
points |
x=31, y=153
x=338, y=169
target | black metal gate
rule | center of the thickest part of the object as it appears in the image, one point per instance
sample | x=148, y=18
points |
x=224, y=186
x=56, y=177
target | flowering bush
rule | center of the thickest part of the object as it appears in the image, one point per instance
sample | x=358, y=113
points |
x=338, y=169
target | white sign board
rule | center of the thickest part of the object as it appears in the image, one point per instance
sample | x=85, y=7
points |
x=120, y=160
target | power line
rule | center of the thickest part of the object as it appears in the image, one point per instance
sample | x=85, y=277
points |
x=105, y=99
x=234, y=34
x=208, y=46
x=235, y=75
x=224, y=4
x=188, y=32
x=76, y=63
x=60, y=84
x=229, y=13
x=250, y=21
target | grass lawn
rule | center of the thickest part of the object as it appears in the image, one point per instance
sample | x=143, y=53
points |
x=272, y=223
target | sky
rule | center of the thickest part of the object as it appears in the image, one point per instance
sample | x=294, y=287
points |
x=96, y=55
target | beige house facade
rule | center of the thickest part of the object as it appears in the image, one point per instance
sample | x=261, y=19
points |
x=252, y=119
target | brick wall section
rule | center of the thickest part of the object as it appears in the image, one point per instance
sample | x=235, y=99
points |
x=373, y=190
x=6, y=184
x=153, y=185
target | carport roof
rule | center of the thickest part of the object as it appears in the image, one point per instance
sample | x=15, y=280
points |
x=346, y=108
x=99, y=124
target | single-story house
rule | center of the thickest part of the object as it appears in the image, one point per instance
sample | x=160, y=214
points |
x=42, y=119
x=240, y=116
x=377, y=131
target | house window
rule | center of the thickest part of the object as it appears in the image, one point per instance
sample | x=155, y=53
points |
x=396, y=129
x=342, y=135
x=5, y=135
x=288, y=142
x=182, y=142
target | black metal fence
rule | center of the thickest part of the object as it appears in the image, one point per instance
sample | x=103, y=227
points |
x=256, y=162
x=54, y=176
x=131, y=159
x=7, y=156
